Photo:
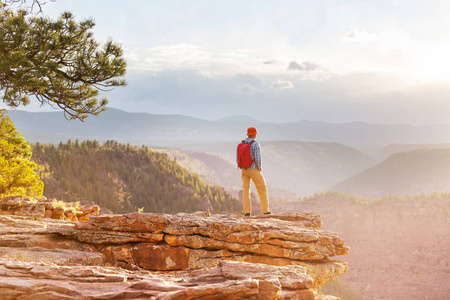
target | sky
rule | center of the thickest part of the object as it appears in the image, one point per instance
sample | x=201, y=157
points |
x=337, y=61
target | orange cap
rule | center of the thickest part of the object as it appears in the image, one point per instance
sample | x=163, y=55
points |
x=252, y=131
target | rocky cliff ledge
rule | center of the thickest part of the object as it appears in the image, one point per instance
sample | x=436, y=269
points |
x=159, y=256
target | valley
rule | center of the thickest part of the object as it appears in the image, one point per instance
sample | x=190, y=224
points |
x=300, y=158
x=398, y=246
x=390, y=203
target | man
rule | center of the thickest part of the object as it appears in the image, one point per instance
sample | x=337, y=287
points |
x=253, y=172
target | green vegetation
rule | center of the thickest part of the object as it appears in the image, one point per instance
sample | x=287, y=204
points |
x=17, y=175
x=57, y=62
x=339, y=289
x=124, y=179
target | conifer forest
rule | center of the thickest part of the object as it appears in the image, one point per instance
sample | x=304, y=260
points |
x=124, y=178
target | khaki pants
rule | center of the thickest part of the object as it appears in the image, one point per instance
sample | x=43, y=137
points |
x=260, y=184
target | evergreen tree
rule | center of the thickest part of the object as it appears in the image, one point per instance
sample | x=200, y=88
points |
x=57, y=62
x=17, y=175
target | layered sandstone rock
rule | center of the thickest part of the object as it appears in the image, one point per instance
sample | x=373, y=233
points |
x=218, y=256
x=194, y=241
x=38, y=208
x=229, y=280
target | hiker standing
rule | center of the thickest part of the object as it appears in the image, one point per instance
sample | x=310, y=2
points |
x=248, y=157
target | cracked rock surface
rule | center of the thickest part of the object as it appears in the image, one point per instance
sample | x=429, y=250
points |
x=160, y=256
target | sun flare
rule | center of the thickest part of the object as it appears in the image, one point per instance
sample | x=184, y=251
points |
x=432, y=63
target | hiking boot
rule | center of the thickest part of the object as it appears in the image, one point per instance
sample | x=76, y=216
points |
x=247, y=215
x=268, y=213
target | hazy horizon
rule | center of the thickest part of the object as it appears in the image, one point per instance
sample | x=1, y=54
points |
x=379, y=62
x=241, y=117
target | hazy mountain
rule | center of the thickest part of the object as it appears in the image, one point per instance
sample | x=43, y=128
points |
x=411, y=172
x=301, y=168
x=239, y=119
x=311, y=157
x=178, y=130
x=398, y=148
x=212, y=168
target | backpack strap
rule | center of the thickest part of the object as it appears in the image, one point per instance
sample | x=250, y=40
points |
x=243, y=142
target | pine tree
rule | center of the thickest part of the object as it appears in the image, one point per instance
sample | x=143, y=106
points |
x=57, y=62
x=17, y=175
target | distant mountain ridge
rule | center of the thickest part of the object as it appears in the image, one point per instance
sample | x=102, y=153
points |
x=406, y=173
x=241, y=118
x=302, y=168
x=398, y=148
x=302, y=157
x=179, y=130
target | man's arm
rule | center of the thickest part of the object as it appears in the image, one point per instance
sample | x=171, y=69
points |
x=257, y=155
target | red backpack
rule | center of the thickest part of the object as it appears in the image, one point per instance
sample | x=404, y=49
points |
x=244, y=158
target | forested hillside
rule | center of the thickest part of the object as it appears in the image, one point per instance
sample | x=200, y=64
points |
x=123, y=179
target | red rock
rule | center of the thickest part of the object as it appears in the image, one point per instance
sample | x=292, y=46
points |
x=48, y=213
x=129, y=223
x=214, y=256
x=71, y=215
x=160, y=257
x=58, y=213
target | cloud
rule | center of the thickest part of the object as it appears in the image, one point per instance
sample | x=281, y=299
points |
x=247, y=89
x=368, y=97
x=356, y=36
x=185, y=92
x=309, y=71
x=304, y=66
x=179, y=57
x=173, y=57
x=246, y=84
x=282, y=84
